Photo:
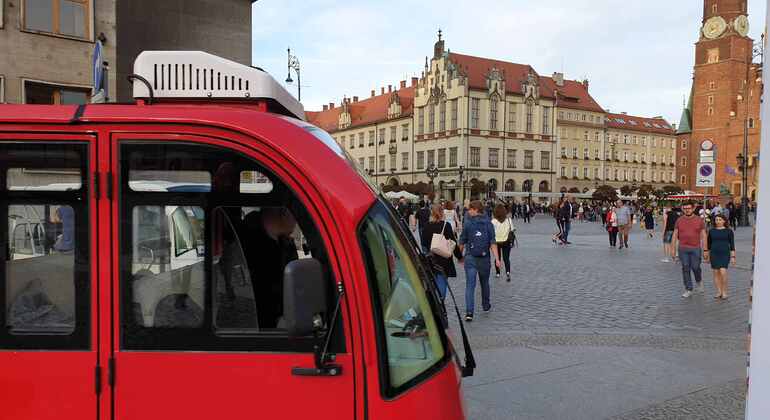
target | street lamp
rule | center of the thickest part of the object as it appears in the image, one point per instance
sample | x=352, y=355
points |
x=293, y=63
x=757, y=51
x=431, y=172
x=461, y=170
x=490, y=184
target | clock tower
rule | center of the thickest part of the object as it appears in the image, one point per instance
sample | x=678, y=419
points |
x=725, y=96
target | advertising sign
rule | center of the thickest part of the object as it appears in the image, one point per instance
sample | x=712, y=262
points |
x=705, y=175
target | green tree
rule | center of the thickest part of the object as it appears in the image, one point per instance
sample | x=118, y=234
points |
x=626, y=190
x=645, y=191
x=605, y=193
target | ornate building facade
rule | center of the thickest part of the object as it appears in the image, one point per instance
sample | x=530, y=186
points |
x=480, y=121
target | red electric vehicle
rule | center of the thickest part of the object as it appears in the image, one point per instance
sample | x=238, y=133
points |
x=204, y=253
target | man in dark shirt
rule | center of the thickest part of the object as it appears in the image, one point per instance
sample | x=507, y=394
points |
x=270, y=248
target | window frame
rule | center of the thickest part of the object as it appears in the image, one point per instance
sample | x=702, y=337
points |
x=388, y=392
x=57, y=86
x=81, y=338
x=55, y=20
x=182, y=340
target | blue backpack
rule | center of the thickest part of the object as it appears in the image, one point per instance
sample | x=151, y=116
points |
x=477, y=236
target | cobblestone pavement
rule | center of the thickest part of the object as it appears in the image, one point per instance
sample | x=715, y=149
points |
x=589, y=332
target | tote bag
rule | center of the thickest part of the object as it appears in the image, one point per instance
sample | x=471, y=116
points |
x=440, y=245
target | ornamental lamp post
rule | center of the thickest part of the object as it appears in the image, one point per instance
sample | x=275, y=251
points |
x=460, y=171
x=293, y=63
x=431, y=172
x=743, y=167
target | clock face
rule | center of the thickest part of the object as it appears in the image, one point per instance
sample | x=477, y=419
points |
x=741, y=25
x=714, y=27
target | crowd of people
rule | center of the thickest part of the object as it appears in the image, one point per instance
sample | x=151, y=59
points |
x=483, y=233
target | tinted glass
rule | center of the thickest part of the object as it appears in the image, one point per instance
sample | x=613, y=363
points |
x=47, y=179
x=38, y=15
x=72, y=19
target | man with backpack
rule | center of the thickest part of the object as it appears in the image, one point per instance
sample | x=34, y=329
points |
x=477, y=240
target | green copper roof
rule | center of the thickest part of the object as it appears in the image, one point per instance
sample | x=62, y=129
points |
x=685, y=121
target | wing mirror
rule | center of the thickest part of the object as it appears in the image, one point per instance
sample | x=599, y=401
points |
x=304, y=297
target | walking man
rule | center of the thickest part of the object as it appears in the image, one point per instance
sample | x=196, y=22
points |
x=690, y=231
x=526, y=211
x=565, y=213
x=477, y=240
x=625, y=220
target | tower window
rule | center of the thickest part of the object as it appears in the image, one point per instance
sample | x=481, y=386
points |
x=712, y=85
x=751, y=122
x=711, y=111
x=711, y=99
x=714, y=8
x=713, y=55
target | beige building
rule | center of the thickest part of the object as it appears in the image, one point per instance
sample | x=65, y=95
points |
x=47, y=46
x=485, y=122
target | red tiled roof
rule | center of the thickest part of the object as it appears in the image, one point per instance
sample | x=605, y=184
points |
x=364, y=112
x=572, y=95
x=647, y=125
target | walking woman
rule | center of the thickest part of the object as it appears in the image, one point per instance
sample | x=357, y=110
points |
x=649, y=222
x=450, y=215
x=445, y=267
x=721, y=253
x=559, y=235
x=503, y=228
x=612, y=226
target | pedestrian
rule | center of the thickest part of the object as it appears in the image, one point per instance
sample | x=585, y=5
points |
x=612, y=226
x=526, y=211
x=690, y=235
x=566, y=213
x=503, y=233
x=625, y=220
x=649, y=222
x=559, y=235
x=423, y=218
x=450, y=216
x=477, y=240
x=414, y=227
x=733, y=215
x=670, y=216
x=443, y=266
x=720, y=252
x=581, y=213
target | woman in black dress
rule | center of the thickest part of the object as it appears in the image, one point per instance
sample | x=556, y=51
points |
x=445, y=267
x=721, y=253
x=649, y=222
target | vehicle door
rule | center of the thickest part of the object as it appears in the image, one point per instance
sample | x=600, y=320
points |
x=48, y=339
x=204, y=234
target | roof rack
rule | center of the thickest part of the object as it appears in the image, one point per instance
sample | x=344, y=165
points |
x=200, y=75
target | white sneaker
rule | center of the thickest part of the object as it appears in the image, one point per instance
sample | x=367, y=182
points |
x=686, y=294
x=666, y=260
x=700, y=288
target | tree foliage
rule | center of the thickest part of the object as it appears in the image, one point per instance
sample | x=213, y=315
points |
x=605, y=193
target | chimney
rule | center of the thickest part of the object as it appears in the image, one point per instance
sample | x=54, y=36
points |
x=372, y=93
x=624, y=113
x=355, y=99
x=403, y=84
x=558, y=78
x=414, y=81
x=585, y=83
x=326, y=107
x=382, y=90
x=331, y=105
x=390, y=88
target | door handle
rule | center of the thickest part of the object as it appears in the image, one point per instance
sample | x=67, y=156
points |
x=327, y=370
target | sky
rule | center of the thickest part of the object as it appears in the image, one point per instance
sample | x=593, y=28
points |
x=637, y=54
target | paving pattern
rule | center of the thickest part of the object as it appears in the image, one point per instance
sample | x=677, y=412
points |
x=590, y=332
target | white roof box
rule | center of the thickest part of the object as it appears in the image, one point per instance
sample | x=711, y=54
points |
x=200, y=75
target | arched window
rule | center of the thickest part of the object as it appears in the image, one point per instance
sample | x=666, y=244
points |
x=543, y=187
x=510, y=185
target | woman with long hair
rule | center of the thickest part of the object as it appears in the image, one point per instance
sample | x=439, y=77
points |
x=450, y=215
x=720, y=252
x=559, y=235
x=503, y=228
x=612, y=226
x=444, y=267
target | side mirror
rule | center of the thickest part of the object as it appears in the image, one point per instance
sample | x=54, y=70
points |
x=304, y=297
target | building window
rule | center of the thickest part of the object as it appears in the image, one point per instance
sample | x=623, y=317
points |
x=635, y=156
x=360, y=139
x=452, y=156
x=361, y=162
x=512, y=117
x=644, y=175
x=493, y=114
x=442, y=116
x=563, y=171
x=371, y=138
x=393, y=162
x=530, y=116
x=546, y=120
x=684, y=144
x=625, y=174
x=382, y=163
x=596, y=136
x=510, y=158
x=596, y=153
x=381, y=140
x=644, y=141
x=50, y=94
x=585, y=135
x=713, y=55
x=654, y=142
x=683, y=180
x=574, y=171
x=421, y=120
x=454, y=114
x=431, y=118
x=352, y=141
x=625, y=139
x=60, y=17
x=625, y=156
x=654, y=158
x=474, y=113
x=710, y=111
x=585, y=153
x=420, y=160
x=616, y=175
x=751, y=122
x=643, y=156
x=712, y=85
x=585, y=173
x=528, y=158
x=405, y=132
x=442, y=158
x=493, y=157
x=711, y=99
x=563, y=152
x=393, y=134
x=475, y=157
x=545, y=161
x=431, y=158
x=596, y=173
x=405, y=161
x=636, y=140
x=633, y=175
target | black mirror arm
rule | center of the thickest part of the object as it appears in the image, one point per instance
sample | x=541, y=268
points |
x=322, y=356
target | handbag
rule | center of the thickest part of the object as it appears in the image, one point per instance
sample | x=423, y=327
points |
x=440, y=245
x=511, y=233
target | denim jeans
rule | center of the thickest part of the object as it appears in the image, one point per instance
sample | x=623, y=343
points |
x=480, y=266
x=567, y=226
x=441, y=284
x=690, y=258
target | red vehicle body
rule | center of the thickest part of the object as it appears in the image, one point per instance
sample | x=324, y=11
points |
x=102, y=362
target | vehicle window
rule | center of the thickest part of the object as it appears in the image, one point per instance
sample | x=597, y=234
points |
x=44, y=241
x=170, y=181
x=207, y=264
x=406, y=321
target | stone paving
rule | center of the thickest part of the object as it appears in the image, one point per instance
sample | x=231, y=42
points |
x=589, y=332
